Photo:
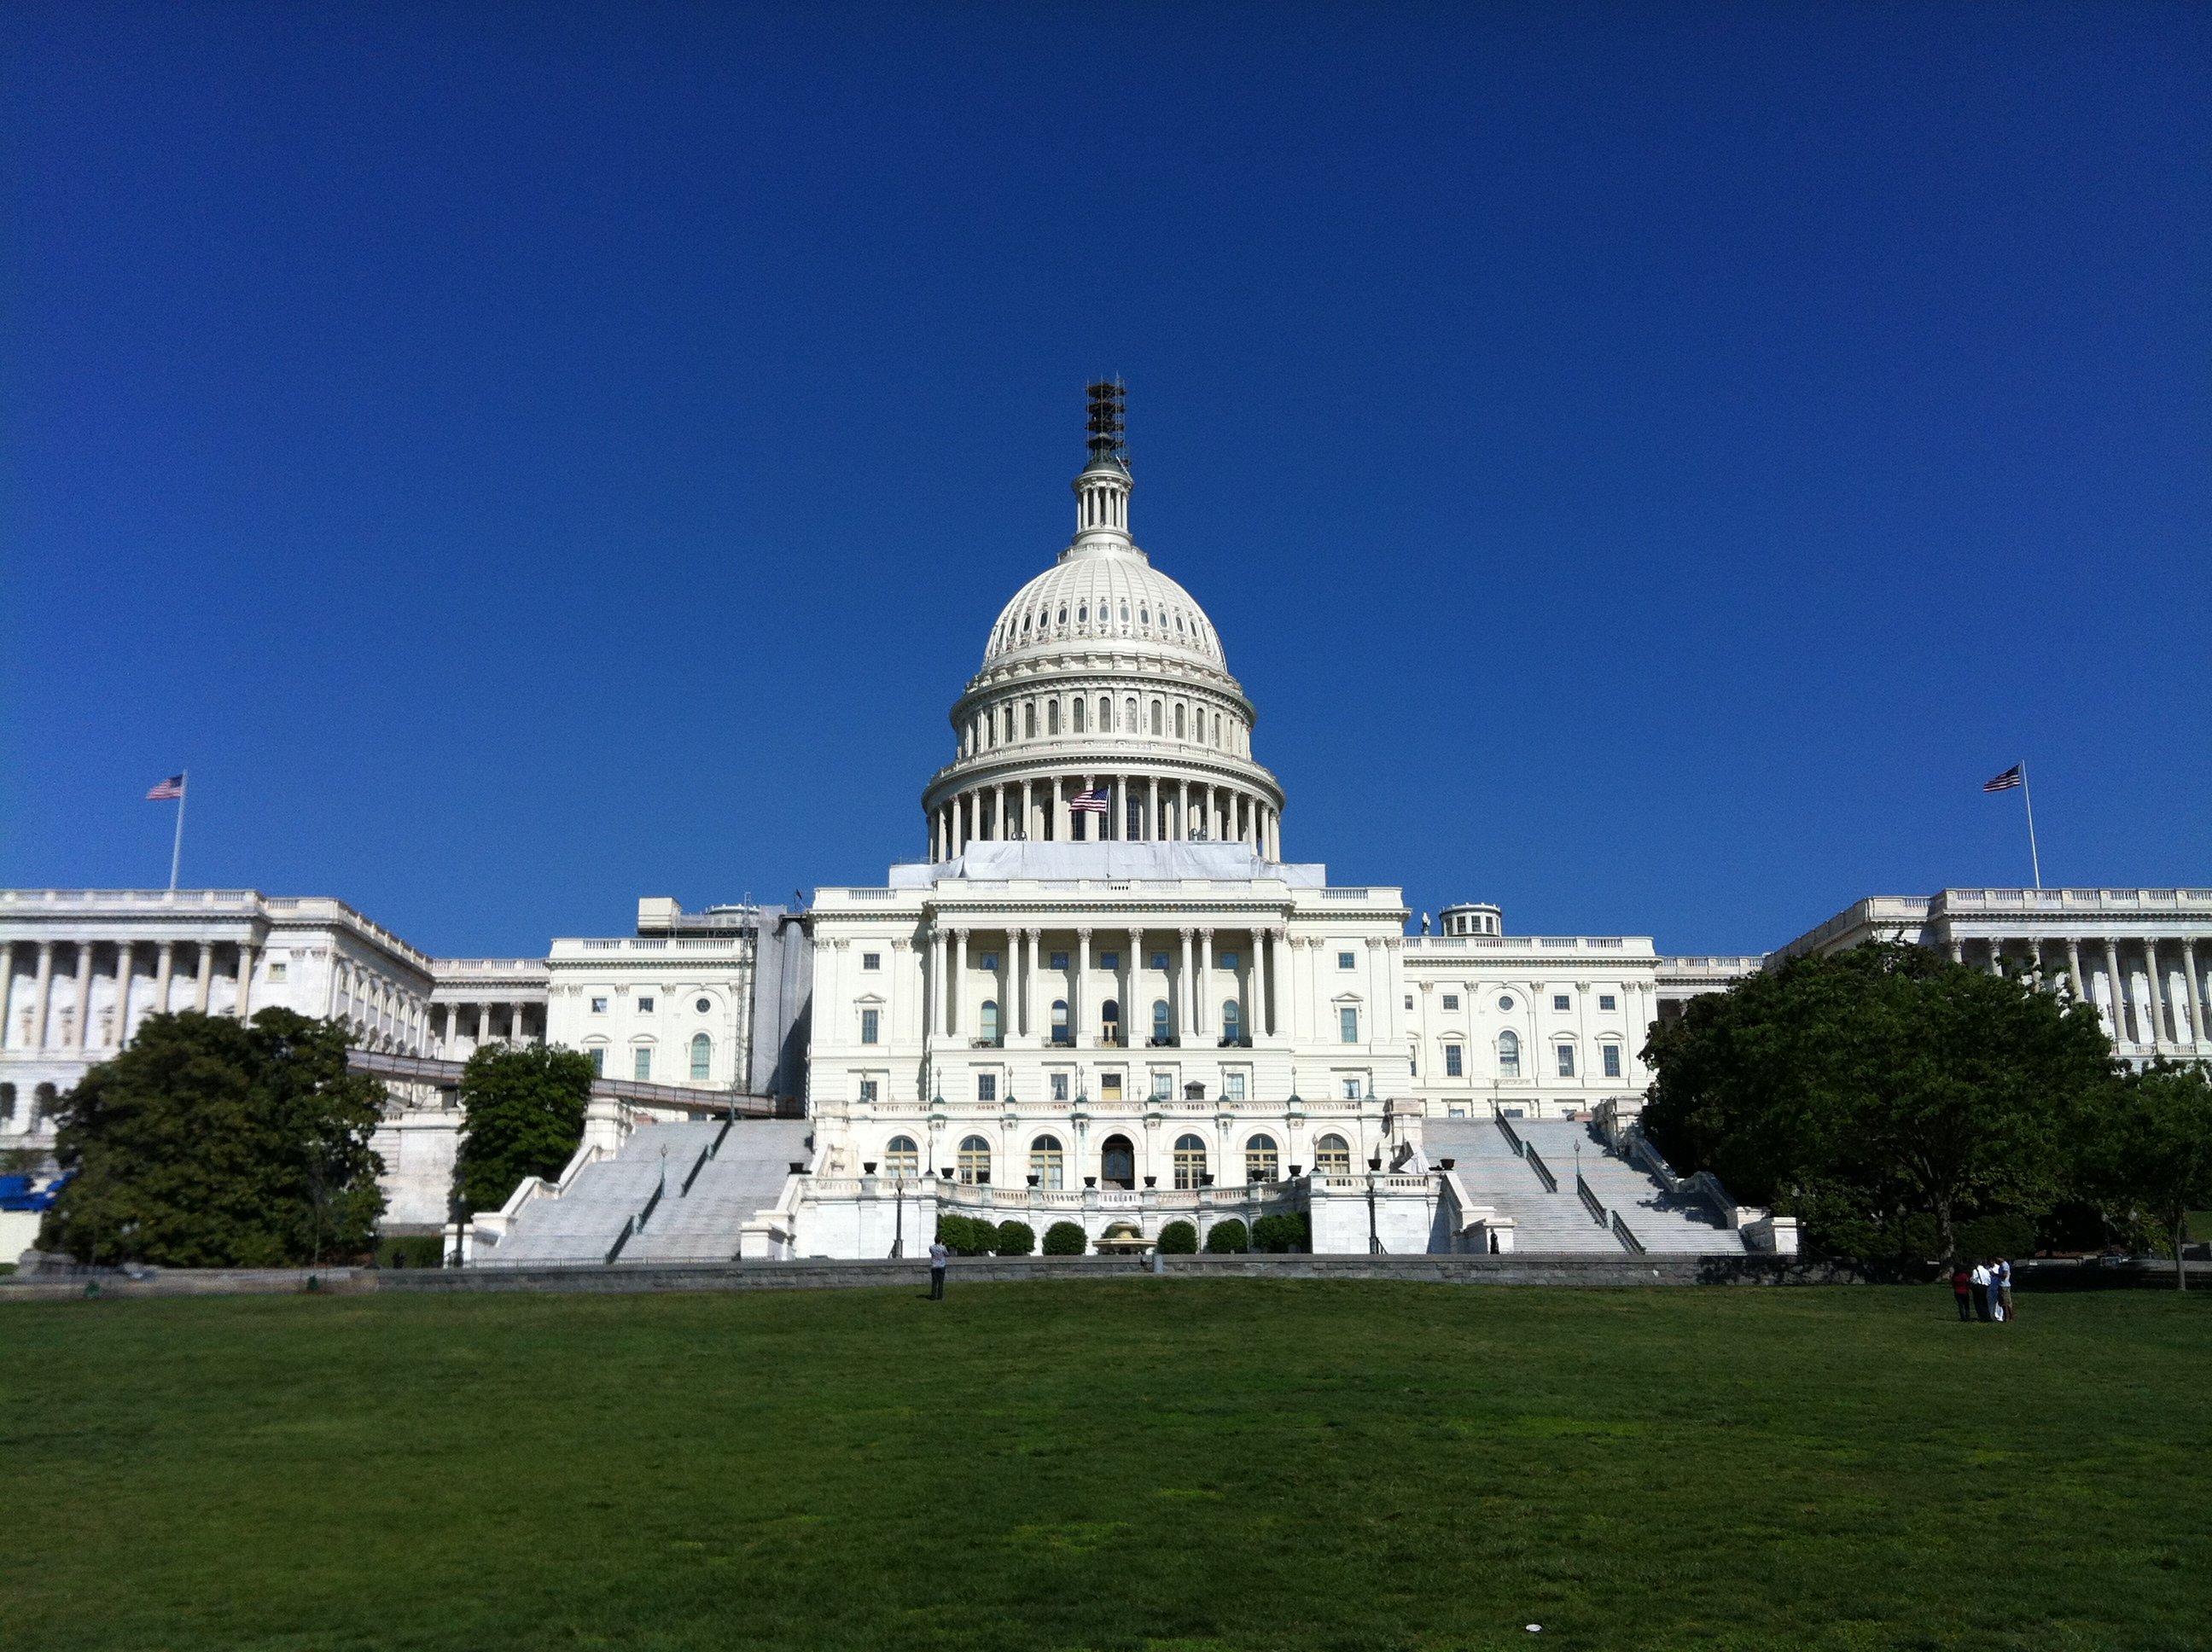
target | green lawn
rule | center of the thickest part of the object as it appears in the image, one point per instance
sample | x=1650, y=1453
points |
x=1118, y=1464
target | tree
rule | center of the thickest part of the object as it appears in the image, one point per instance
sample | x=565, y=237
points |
x=1871, y=1084
x=2151, y=1147
x=208, y=1143
x=1065, y=1239
x=523, y=1114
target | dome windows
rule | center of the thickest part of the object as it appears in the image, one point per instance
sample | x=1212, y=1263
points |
x=1125, y=613
x=1083, y=613
x=1144, y=617
x=1063, y=613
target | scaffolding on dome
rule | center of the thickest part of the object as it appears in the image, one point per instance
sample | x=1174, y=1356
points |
x=1109, y=420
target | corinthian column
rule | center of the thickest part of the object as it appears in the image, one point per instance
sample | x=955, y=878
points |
x=2193, y=995
x=2117, y=990
x=80, y=1034
x=123, y=951
x=2157, y=992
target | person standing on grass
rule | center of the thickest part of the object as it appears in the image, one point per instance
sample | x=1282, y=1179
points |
x=1962, y=1287
x=1980, y=1277
x=2003, y=1273
x=938, y=1257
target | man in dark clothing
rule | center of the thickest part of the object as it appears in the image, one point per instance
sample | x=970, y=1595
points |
x=1962, y=1287
x=938, y=1257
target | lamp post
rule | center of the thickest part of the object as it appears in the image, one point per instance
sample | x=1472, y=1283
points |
x=1374, y=1234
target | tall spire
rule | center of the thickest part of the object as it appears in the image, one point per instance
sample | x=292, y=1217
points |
x=1102, y=491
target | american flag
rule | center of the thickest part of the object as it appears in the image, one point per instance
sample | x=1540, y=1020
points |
x=167, y=790
x=1092, y=802
x=2005, y=781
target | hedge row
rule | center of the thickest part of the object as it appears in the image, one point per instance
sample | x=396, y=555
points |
x=966, y=1236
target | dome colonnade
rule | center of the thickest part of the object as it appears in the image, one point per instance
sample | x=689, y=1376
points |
x=1104, y=709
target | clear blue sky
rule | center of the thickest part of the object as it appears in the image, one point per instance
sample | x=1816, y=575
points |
x=1649, y=464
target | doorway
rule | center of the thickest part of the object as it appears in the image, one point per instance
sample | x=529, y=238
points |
x=1117, y=1163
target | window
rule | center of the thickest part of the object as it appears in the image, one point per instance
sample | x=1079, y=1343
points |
x=599, y=1006
x=1505, y=1005
x=1566, y=1061
x=1163, y=1086
x=1078, y=708
x=1260, y=1159
x=1159, y=961
x=1190, y=1161
x=645, y=1007
x=1179, y=723
x=1060, y=1086
x=902, y=1158
x=1453, y=1063
x=871, y=1025
x=1232, y=1086
x=987, y=1086
x=1508, y=1055
x=990, y=1019
x=1232, y=1021
x=1105, y=715
x=1109, y=1086
x=1607, y=1001
x=867, y=1092
x=975, y=1160
x=1346, y=961
x=1225, y=961
x=1333, y=1157
x=1061, y=1034
x=1347, y=1025
x=1352, y=1089
x=705, y=1006
x=703, y=1055
x=1110, y=1016
x=1052, y=716
x=276, y=972
x=1109, y=960
x=1060, y=960
x=641, y=1061
x=871, y=960
x=1047, y=1163
x=1611, y=1055
x=1029, y=712
x=1409, y=1000
x=600, y=1061
x=1451, y=1000
x=1155, y=716
x=991, y=962
x=1163, y=1021
x=1561, y=1001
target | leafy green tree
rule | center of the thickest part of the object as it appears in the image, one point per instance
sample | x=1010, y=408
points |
x=1014, y=1239
x=1178, y=1239
x=2150, y=1147
x=212, y=1144
x=523, y=1115
x=1866, y=1086
x=1227, y=1238
x=1065, y=1239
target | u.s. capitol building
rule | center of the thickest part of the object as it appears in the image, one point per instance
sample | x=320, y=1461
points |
x=1110, y=995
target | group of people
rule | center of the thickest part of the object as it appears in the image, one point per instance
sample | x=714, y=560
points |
x=1984, y=1290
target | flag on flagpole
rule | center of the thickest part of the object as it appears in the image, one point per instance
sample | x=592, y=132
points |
x=1092, y=802
x=168, y=791
x=2006, y=781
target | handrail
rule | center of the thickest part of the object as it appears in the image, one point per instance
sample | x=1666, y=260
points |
x=697, y=1165
x=1628, y=1240
x=1512, y=1138
x=1591, y=1202
x=1543, y=1170
x=630, y=1226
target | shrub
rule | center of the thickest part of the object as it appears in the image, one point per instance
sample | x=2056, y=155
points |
x=1178, y=1239
x=1225, y=1238
x=1015, y=1239
x=1065, y=1239
x=414, y=1250
x=965, y=1236
x=1290, y=1231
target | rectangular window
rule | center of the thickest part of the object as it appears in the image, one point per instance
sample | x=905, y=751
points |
x=1232, y=1086
x=1566, y=1061
x=1561, y=1001
x=871, y=960
x=645, y=1007
x=1109, y=960
x=867, y=1092
x=1228, y=961
x=1060, y=1086
x=1607, y=1001
x=598, y=1062
x=1347, y=1025
x=1612, y=1053
x=991, y=962
x=640, y=1062
x=1451, y=1000
x=1109, y=1086
x=276, y=972
x=1159, y=960
x=1352, y=1089
x=1163, y=1086
x=871, y=1026
x=1060, y=960
x=599, y=1006
x=1346, y=961
x=1452, y=1061
x=987, y=1086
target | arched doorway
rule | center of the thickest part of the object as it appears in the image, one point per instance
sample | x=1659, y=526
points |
x=1117, y=1163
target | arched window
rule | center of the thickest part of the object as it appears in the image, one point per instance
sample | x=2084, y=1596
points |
x=1144, y=617
x=1179, y=723
x=1156, y=717
x=1028, y=720
x=1333, y=1157
x=902, y=1158
x=1125, y=613
x=1109, y=1018
x=1025, y=625
x=1083, y=613
x=1046, y=1162
x=1260, y=1159
x=1508, y=1055
x=1190, y=1161
x=1217, y=728
x=1063, y=613
x=975, y=1160
x=1052, y=717
x=1232, y=1022
x=1105, y=715
x=990, y=1021
x=1162, y=1023
x=1117, y=1163
x=1078, y=717
x=703, y=1055
x=1060, y=1033
x=1129, y=716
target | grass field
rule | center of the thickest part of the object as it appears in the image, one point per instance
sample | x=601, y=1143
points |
x=1119, y=1464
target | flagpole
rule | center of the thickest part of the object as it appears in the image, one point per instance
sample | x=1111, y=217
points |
x=2025, y=796
x=177, y=850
